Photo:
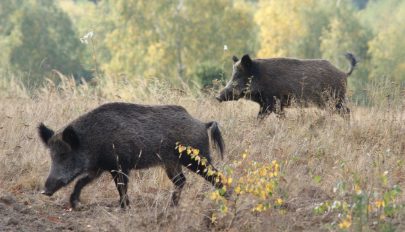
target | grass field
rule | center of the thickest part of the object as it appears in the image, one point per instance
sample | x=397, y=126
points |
x=334, y=175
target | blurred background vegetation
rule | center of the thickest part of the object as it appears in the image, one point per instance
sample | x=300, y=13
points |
x=191, y=42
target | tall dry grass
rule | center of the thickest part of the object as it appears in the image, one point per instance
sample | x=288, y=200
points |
x=318, y=152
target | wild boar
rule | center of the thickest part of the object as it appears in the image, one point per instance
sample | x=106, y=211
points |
x=118, y=137
x=277, y=81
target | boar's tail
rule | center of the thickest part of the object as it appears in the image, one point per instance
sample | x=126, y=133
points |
x=353, y=62
x=216, y=137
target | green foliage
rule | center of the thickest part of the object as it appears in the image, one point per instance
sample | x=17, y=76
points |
x=387, y=59
x=42, y=39
x=364, y=209
x=170, y=39
x=208, y=73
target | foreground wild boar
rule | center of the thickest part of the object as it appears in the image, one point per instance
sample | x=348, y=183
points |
x=122, y=136
x=280, y=80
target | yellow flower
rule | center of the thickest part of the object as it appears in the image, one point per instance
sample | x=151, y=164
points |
x=346, y=223
x=229, y=181
x=357, y=189
x=379, y=203
x=214, y=196
x=214, y=218
x=210, y=172
x=263, y=195
x=259, y=208
x=237, y=189
x=196, y=151
x=269, y=188
x=204, y=162
x=244, y=155
x=181, y=148
x=275, y=173
x=279, y=201
x=262, y=172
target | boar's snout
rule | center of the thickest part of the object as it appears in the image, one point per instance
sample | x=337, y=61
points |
x=224, y=95
x=228, y=94
x=51, y=186
x=218, y=98
x=46, y=193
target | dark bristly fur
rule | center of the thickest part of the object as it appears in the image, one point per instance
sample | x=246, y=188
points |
x=216, y=137
x=118, y=137
x=281, y=80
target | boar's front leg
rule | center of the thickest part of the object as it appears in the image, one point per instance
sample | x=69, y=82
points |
x=266, y=108
x=343, y=110
x=121, y=182
x=272, y=105
x=74, y=197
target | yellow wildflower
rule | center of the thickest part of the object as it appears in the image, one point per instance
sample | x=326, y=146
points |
x=237, y=189
x=357, y=189
x=244, y=155
x=196, y=151
x=214, y=196
x=182, y=148
x=259, y=208
x=379, y=203
x=262, y=172
x=214, y=218
x=346, y=223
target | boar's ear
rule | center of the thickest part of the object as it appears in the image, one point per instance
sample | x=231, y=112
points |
x=45, y=133
x=69, y=136
x=246, y=62
x=235, y=59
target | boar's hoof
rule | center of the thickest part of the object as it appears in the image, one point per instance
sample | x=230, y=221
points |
x=124, y=203
x=74, y=204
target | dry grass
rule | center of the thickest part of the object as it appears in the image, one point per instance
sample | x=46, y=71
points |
x=317, y=152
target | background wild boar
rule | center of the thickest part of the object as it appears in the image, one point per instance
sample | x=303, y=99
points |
x=280, y=80
x=122, y=136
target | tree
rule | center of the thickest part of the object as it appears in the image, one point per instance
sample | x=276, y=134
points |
x=387, y=57
x=43, y=39
x=345, y=33
x=170, y=39
x=282, y=25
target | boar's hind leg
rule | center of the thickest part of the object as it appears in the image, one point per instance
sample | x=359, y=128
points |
x=201, y=170
x=121, y=182
x=177, y=177
x=74, y=197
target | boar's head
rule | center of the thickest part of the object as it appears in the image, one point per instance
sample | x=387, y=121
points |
x=67, y=161
x=239, y=85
